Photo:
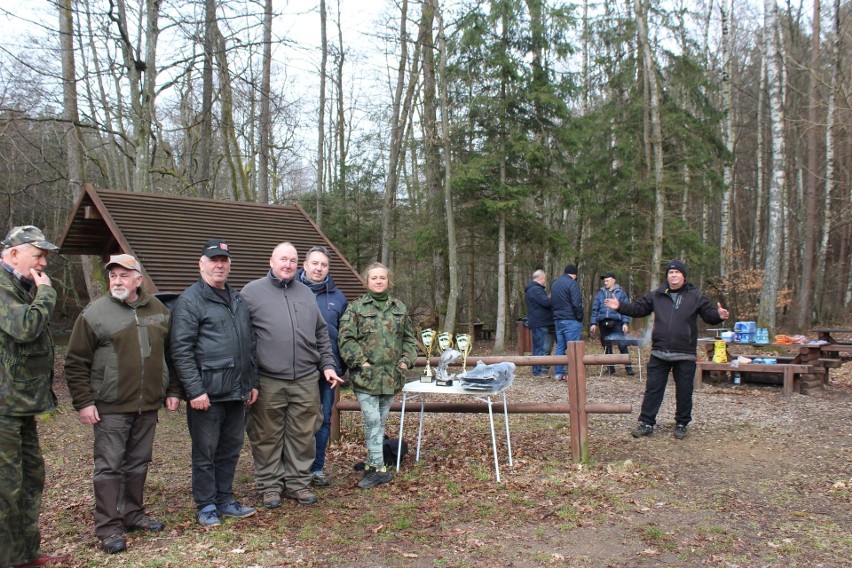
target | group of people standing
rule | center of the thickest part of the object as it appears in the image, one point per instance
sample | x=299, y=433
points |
x=263, y=361
x=560, y=315
x=676, y=305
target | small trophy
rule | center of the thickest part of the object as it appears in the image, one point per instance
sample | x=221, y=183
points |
x=445, y=342
x=465, y=345
x=428, y=338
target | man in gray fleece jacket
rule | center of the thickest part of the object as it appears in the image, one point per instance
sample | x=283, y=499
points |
x=292, y=346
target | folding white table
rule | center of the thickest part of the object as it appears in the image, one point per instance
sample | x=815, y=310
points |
x=419, y=389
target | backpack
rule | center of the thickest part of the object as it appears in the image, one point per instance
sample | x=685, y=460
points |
x=389, y=448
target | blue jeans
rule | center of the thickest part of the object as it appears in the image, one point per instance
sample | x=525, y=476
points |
x=566, y=330
x=374, y=411
x=326, y=400
x=655, y=388
x=542, y=343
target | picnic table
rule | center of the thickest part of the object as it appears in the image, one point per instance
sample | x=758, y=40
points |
x=835, y=345
x=800, y=366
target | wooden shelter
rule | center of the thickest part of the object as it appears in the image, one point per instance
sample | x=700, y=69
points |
x=166, y=234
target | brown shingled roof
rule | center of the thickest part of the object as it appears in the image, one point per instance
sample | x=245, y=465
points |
x=166, y=234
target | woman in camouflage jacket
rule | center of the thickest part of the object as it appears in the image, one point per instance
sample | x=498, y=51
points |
x=377, y=344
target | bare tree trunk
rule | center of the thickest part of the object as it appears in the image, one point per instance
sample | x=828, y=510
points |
x=204, y=181
x=141, y=75
x=400, y=112
x=321, y=117
x=650, y=72
x=397, y=130
x=772, y=265
x=830, y=173
x=803, y=304
x=726, y=13
x=228, y=127
x=73, y=143
x=452, y=246
x=265, y=112
x=432, y=156
x=341, y=112
x=759, y=189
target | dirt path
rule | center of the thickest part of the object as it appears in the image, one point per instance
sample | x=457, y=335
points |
x=760, y=481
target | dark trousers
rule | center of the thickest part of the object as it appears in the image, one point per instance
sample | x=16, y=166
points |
x=655, y=388
x=21, y=486
x=218, y=434
x=324, y=432
x=122, y=451
x=610, y=336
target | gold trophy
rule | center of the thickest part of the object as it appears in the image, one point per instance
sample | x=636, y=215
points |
x=428, y=338
x=445, y=341
x=465, y=345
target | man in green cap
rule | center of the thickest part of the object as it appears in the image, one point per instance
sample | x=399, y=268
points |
x=27, y=300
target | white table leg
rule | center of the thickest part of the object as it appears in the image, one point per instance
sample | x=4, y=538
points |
x=401, y=422
x=506, y=420
x=420, y=427
x=493, y=439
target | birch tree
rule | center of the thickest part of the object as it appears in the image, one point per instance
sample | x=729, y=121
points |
x=778, y=180
x=656, y=139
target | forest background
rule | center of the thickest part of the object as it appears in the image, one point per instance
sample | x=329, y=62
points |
x=465, y=142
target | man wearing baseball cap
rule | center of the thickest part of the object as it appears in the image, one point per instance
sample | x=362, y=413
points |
x=676, y=306
x=611, y=324
x=213, y=348
x=26, y=379
x=117, y=375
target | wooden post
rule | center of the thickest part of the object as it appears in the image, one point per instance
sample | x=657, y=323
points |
x=579, y=420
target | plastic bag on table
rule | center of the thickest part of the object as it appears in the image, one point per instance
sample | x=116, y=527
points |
x=488, y=377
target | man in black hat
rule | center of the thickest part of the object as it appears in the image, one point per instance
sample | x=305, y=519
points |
x=213, y=351
x=611, y=324
x=27, y=300
x=566, y=300
x=676, y=306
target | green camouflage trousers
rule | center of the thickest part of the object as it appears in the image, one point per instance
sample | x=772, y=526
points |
x=374, y=411
x=21, y=485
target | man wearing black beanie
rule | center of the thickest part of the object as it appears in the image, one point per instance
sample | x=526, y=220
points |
x=676, y=306
x=566, y=299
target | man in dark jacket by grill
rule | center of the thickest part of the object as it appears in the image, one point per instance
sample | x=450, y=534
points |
x=539, y=319
x=676, y=306
x=118, y=378
x=213, y=351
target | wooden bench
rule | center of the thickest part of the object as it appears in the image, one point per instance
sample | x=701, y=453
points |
x=833, y=350
x=789, y=371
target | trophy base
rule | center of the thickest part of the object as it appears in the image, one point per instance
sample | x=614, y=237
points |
x=444, y=382
x=426, y=378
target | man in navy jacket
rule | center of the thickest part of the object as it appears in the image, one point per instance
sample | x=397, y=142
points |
x=332, y=303
x=567, y=302
x=539, y=319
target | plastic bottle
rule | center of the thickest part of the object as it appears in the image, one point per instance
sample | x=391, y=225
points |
x=736, y=378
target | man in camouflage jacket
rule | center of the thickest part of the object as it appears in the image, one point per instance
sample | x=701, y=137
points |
x=26, y=380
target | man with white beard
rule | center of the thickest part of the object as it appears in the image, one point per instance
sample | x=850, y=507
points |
x=118, y=378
